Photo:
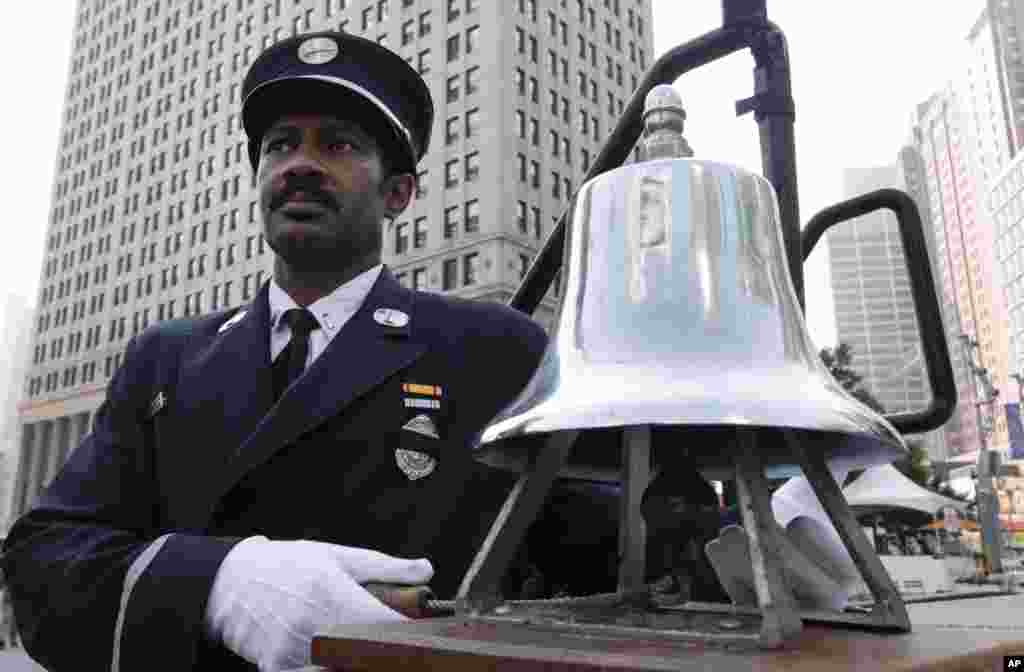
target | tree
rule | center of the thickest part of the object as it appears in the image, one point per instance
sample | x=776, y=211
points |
x=915, y=465
x=837, y=361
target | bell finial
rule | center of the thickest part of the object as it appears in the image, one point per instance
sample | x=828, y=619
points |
x=663, y=125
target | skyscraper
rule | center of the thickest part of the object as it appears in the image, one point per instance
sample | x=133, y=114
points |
x=873, y=303
x=994, y=80
x=154, y=215
x=964, y=250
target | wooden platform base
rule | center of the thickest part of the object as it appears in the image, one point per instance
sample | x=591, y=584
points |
x=470, y=645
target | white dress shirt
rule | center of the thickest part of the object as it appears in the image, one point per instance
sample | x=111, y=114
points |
x=331, y=313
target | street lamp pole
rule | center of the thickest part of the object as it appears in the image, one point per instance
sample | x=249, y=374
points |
x=988, y=504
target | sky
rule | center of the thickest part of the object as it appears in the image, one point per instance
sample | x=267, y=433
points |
x=858, y=69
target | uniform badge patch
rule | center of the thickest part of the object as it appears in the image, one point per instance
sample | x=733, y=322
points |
x=423, y=425
x=414, y=464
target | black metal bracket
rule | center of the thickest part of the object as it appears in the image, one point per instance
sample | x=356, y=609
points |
x=934, y=348
x=745, y=25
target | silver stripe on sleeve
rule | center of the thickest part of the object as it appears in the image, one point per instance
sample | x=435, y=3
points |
x=130, y=579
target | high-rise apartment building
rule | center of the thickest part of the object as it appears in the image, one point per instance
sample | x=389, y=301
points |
x=994, y=81
x=1006, y=203
x=964, y=245
x=989, y=115
x=154, y=215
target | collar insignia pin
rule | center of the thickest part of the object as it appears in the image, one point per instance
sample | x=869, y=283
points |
x=158, y=403
x=232, y=322
x=414, y=464
x=422, y=425
x=390, y=317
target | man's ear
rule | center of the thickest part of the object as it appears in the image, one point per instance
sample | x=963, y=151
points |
x=397, y=190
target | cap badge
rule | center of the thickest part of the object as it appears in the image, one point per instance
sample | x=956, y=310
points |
x=318, y=50
x=414, y=464
x=390, y=317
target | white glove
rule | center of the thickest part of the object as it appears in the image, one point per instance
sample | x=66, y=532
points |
x=270, y=597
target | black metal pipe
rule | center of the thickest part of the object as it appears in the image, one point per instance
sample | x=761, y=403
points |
x=775, y=113
x=926, y=302
x=749, y=31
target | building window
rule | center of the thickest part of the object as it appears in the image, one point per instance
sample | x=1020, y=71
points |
x=472, y=39
x=408, y=32
x=424, y=24
x=472, y=216
x=524, y=265
x=449, y=274
x=453, y=47
x=421, y=184
x=472, y=166
x=470, y=268
x=452, y=89
x=424, y=62
x=419, y=233
x=402, y=238
x=472, y=80
x=451, y=173
x=451, y=221
x=451, y=130
x=521, y=216
x=472, y=122
x=454, y=9
x=419, y=278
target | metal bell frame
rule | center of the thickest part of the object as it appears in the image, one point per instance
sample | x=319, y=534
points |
x=745, y=25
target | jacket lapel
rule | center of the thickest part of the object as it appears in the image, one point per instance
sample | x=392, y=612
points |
x=224, y=386
x=358, y=358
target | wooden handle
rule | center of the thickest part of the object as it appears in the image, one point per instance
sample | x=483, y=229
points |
x=410, y=601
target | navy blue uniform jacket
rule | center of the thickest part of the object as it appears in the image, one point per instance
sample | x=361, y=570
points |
x=220, y=462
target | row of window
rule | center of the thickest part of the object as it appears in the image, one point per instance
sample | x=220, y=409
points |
x=470, y=265
x=529, y=173
x=225, y=257
x=194, y=303
x=466, y=214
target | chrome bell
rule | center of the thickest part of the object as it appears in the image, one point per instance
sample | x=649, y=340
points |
x=678, y=312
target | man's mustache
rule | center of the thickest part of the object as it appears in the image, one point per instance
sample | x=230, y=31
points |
x=311, y=191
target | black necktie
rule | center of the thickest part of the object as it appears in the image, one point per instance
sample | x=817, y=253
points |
x=289, y=364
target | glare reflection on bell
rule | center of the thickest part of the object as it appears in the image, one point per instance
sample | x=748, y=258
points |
x=678, y=312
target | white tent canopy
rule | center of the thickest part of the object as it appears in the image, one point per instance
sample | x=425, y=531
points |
x=883, y=488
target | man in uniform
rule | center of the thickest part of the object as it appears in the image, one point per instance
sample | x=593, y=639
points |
x=251, y=469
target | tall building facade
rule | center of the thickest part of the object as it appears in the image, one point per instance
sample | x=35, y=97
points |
x=1006, y=202
x=873, y=303
x=154, y=215
x=987, y=112
x=995, y=80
